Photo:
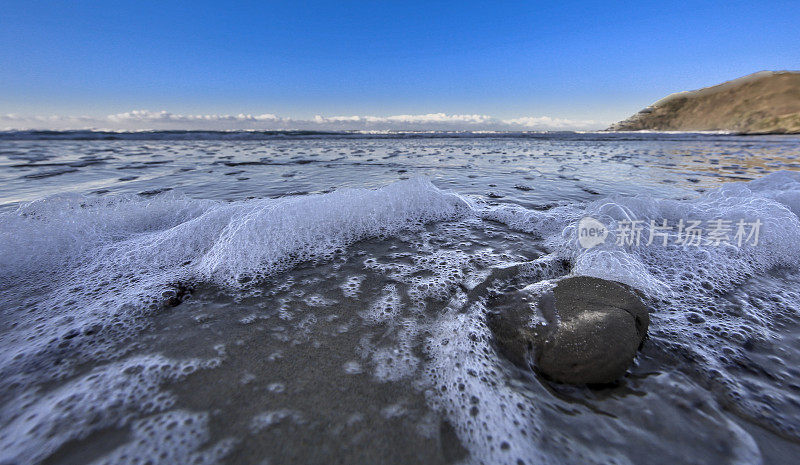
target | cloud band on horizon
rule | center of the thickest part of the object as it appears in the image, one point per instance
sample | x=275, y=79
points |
x=163, y=120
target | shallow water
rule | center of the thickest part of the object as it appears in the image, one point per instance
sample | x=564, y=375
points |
x=284, y=298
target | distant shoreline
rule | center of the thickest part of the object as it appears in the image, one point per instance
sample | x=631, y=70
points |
x=93, y=134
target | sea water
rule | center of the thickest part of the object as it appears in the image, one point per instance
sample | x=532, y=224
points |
x=184, y=297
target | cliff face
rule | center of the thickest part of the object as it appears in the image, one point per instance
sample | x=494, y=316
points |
x=761, y=103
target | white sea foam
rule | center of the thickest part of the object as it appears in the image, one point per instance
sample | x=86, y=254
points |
x=271, y=418
x=660, y=270
x=169, y=438
x=494, y=422
x=91, y=267
x=78, y=276
x=691, y=323
x=109, y=396
x=501, y=423
x=387, y=307
x=352, y=286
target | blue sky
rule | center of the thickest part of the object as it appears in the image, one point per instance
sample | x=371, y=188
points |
x=570, y=61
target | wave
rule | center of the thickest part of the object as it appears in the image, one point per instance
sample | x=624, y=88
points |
x=91, y=267
x=124, y=249
x=79, y=273
x=711, y=305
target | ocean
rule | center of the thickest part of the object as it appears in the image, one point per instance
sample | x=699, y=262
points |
x=301, y=297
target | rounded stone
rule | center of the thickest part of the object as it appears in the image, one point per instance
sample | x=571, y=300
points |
x=594, y=328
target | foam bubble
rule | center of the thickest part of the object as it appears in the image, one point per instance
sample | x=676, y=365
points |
x=352, y=286
x=169, y=438
x=267, y=236
x=494, y=422
x=79, y=274
x=503, y=419
x=271, y=418
x=397, y=360
x=387, y=307
x=109, y=396
x=689, y=287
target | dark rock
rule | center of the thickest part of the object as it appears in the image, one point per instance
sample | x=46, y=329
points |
x=510, y=322
x=154, y=192
x=594, y=328
x=176, y=295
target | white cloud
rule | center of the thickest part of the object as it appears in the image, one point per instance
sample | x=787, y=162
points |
x=165, y=116
x=399, y=121
x=433, y=118
x=41, y=122
x=164, y=120
x=338, y=119
x=551, y=123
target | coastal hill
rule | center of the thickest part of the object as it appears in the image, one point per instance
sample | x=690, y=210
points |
x=767, y=102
